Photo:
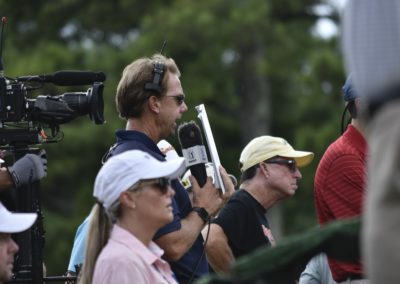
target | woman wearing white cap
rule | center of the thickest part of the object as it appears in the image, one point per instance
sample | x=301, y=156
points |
x=133, y=192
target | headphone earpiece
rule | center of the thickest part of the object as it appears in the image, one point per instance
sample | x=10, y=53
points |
x=352, y=109
x=155, y=85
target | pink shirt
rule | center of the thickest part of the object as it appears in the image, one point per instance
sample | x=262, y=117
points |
x=125, y=259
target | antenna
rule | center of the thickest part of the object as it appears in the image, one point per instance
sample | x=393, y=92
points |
x=3, y=23
x=163, y=46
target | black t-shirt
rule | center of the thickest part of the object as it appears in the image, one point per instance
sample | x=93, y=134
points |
x=244, y=223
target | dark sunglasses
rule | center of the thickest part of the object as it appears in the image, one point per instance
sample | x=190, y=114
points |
x=162, y=184
x=291, y=164
x=4, y=236
x=180, y=99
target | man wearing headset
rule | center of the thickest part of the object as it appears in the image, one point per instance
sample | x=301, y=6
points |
x=339, y=185
x=151, y=99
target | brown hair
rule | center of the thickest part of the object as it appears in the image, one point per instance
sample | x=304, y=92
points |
x=131, y=94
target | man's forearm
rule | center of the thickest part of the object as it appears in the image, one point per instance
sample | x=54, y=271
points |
x=219, y=253
x=177, y=243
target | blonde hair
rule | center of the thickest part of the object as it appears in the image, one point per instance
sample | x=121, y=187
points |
x=98, y=234
x=100, y=225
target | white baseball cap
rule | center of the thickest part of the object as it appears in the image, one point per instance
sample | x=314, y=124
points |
x=15, y=222
x=185, y=178
x=167, y=149
x=122, y=171
x=210, y=172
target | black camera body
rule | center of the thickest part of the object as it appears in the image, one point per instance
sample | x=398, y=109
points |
x=22, y=124
x=22, y=120
x=12, y=101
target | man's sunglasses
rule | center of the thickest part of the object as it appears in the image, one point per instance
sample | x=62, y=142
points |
x=180, y=99
x=291, y=164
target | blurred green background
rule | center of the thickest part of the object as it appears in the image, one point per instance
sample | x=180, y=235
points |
x=259, y=66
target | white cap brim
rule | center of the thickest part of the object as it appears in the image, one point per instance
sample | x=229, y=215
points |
x=171, y=169
x=124, y=170
x=15, y=222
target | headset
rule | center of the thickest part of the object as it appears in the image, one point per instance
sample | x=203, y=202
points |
x=350, y=95
x=155, y=85
x=351, y=108
x=158, y=71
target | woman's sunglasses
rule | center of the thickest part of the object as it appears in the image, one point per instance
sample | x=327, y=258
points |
x=162, y=184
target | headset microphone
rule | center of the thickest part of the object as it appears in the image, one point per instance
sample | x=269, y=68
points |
x=193, y=150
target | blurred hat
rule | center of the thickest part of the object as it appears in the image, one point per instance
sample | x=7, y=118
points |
x=210, y=172
x=265, y=147
x=349, y=93
x=122, y=171
x=15, y=222
x=167, y=149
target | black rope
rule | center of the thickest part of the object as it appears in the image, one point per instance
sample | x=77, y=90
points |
x=342, y=126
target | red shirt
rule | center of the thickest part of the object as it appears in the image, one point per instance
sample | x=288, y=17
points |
x=339, y=188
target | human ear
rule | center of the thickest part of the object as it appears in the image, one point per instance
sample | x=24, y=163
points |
x=154, y=104
x=264, y=169
x=127, y=199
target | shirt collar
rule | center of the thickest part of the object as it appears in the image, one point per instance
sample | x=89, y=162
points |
x=150, y=254
x=142, y=138
x=358, y=140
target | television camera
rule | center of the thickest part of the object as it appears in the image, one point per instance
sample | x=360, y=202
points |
x=22, y=119
x=22, y=123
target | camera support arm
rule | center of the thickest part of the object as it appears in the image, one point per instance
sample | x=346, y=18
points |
x=28, y=266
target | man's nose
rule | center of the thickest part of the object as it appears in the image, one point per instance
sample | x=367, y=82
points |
x=13, y=248
x=184, y=107
x=298, y=174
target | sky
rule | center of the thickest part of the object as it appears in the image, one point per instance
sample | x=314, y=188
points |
x=325, y=27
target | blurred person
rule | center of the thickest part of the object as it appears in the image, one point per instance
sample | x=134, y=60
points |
x=78, y=248
x=317, y=271
x=371, y=44
x=26, y=170
x=11, y=223
x=150, y=97
x=339, y=184
x=133, y=191
x=270, y=172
